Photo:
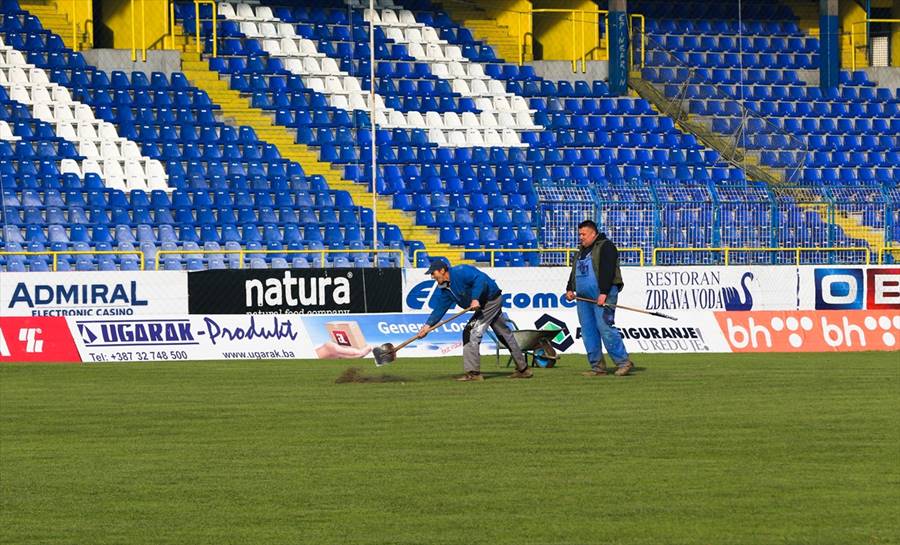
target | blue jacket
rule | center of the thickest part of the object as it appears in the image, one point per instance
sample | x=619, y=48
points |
x=466, y=283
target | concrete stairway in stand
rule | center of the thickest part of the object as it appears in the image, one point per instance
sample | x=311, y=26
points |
x=484, y=27
x=55, y=19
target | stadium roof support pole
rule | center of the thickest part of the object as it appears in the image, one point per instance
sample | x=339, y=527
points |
x=829, y=44
x=372, y=125
x=618, y=47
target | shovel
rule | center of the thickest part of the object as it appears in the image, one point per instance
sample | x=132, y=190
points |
x=387, y=352
x=632, y=309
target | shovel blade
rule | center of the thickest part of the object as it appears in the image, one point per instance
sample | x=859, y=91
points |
x=384, y=354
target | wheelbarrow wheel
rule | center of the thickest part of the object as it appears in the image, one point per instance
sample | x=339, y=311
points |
x=545, y=355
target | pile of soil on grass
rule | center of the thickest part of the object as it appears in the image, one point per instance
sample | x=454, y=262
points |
x=356, y=375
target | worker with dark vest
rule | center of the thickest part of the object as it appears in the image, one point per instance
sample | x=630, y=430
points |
x=596, y=276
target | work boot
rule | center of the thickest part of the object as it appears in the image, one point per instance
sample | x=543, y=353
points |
x=625, y=369
x=470, y=377
x=524, y=373
x=597, y=370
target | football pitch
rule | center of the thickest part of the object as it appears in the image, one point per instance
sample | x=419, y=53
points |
x=694, y=449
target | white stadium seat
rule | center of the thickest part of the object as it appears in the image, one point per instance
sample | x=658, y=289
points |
x=70, y=166
x=6, y=133
x=248, y=28
x=289, y=47
x=107, y=131
x=287, y=30
x=245, y=11
x=272, y=47
x=434, y=120
x=268, y=30
x=226, y=10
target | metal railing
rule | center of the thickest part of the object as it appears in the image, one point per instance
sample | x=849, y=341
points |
x=579, y=27
x=893, y=251
x=565, y=251
x=134, y=47
x=243, y=253
x=199, y=25
x=88, y=23
x=727, y=251
x=170, y=14
x=866, y=45
x=731, y=140
x=55, y=254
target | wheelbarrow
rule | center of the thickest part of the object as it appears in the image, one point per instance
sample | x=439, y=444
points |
x=535, y=343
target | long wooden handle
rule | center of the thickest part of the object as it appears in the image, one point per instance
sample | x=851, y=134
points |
x=437, y=325
x=632, y=309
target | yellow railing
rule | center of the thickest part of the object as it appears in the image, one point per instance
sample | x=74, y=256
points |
x=893, y=250
x=55, y=254
x=244, y=252
x=853, y=33
x=215, y=18
x=579, y=27
x=170, y=7
x=727, y=251
x=88, y=23
x=643, y=39
x=495, y=251
x=583, y=24
x=134, y=47
x=572, y=13
x=567, y=251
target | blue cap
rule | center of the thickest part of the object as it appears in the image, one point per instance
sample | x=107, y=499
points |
x=437, y=265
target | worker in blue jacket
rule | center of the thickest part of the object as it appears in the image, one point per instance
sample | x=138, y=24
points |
x=468, y=287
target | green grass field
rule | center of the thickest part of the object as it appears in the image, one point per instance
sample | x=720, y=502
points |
x=712, y=449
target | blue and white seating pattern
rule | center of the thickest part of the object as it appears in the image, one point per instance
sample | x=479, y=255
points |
x=220, y=187
x=462, y=141
x=578, y=132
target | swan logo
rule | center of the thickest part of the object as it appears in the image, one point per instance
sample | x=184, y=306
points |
x=732, y=299
x=839, y=289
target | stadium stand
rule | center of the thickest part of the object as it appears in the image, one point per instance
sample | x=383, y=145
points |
x=143, y=164
x=98, y=161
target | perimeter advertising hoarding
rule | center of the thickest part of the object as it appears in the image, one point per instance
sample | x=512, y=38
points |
x=670, y=290
x=168, y=338
x=850, y=288
x=352, y=336
x=43, y=339
x=295, y=291
x=259, y=336
x=94, y=294
x=535, y=299
x=811, y=331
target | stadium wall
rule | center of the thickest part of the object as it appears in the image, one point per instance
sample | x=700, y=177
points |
x=342, y=313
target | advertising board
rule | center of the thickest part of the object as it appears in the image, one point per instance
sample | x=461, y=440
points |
x=535, y=299
x=811, y=331
x=194, y=337
x=110, y=293
x=666, y=289
x=295, y=291
x=36, y=339
x=849, y=288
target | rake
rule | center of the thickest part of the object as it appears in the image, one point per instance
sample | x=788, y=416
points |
x=632, y=309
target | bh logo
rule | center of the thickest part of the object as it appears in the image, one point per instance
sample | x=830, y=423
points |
x=839, y=289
